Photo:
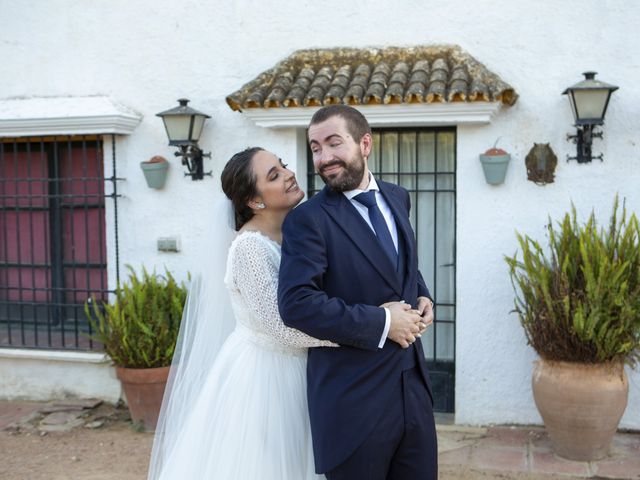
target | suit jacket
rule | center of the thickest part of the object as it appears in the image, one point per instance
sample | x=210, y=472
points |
x=333, y=276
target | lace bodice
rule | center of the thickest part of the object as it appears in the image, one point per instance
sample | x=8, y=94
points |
x=252, y=279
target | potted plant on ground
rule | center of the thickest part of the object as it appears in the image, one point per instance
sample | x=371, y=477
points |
x=579, y=304
x=139, y=329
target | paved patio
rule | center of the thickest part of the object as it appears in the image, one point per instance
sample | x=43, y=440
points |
x=527, y=450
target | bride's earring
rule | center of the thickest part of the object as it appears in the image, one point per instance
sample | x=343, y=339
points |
x=261, y=206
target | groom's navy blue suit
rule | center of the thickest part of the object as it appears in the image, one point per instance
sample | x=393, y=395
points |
x=333, y=276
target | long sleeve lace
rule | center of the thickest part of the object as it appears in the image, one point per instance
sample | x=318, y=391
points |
x=254, y=263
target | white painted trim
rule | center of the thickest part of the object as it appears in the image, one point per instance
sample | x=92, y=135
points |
x=22, y=117
x=67, y=126
x=399, y=115
x=54, y=355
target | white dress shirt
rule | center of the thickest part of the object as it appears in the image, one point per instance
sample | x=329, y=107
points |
x=391, y=224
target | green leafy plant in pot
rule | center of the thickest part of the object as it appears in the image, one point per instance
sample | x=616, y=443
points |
x=579, y=304
x=139, y=330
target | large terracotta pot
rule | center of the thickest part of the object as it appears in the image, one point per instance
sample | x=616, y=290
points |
x=581, y=405
x=143, y=389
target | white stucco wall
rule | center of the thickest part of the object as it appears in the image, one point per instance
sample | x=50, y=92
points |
x=147, y=54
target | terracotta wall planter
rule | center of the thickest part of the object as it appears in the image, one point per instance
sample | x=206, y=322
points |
x=144, y=388
x=495, y=167
x=155, y=171
x=581, y=405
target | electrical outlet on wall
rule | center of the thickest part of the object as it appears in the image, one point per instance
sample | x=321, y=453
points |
x=168, y=244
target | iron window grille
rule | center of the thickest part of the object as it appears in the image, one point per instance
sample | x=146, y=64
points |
x=53, y=248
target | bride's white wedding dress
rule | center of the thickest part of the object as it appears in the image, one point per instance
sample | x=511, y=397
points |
x=250, y=420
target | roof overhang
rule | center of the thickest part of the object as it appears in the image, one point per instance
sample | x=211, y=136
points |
x=426, y=85
x=401, y=115
x=23, y=117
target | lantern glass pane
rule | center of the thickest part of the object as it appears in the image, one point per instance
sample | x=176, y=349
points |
x=198, y=123
x=177, y=127
x=590, y=104
x=573, y=106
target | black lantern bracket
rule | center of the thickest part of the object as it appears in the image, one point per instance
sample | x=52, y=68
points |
x=589, y=100
x=584, y=139
x=192, y=158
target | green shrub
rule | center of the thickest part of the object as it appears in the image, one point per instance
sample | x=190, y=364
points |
x=140, y=328
x=580, y=301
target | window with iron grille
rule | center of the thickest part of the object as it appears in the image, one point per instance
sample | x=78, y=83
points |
x=52, y=239
x=424, y=162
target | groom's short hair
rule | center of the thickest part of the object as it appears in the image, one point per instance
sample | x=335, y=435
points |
x=357, y=124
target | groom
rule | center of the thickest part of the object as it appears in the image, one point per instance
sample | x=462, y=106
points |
x=349, y=274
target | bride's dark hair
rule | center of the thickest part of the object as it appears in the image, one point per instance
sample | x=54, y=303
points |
x=239, y=184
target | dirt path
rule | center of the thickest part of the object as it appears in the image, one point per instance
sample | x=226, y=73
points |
x=114, y=450
x=117, y=452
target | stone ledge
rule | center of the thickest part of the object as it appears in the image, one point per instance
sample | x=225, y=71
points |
x=54, y=355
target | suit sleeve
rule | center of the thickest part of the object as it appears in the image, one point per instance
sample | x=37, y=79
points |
x=302, y=300
x=423, y=291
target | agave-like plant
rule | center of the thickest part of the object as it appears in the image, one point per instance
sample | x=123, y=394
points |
x=140, y=327
x=579, y=301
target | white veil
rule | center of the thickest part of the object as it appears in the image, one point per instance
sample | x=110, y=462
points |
x=207, y=321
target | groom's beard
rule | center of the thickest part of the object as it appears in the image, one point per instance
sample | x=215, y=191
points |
x=349, y=178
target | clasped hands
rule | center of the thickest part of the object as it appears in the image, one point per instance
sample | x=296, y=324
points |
x=408, y=323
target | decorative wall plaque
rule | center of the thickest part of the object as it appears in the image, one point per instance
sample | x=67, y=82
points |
x=541, y=164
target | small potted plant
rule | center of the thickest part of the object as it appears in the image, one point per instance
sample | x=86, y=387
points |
x=138, y=330
x=155, y=171
x=494, y=164
x=579, y=303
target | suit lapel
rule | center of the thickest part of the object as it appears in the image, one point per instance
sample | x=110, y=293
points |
x=356, y=228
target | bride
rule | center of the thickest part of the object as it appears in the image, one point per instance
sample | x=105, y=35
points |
x=235, y=405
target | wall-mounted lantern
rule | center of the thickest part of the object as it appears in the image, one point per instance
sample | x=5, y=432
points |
x=184, y=126
x=589, y=100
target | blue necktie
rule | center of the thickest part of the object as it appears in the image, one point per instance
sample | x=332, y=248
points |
x=368, y=199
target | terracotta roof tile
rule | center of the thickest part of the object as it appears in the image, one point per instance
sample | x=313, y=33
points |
x=426, y=74
x=358, y=85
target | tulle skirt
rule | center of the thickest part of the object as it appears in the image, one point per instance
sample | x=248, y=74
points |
x=250, y=420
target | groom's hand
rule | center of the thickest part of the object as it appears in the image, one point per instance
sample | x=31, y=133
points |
x=404, y=326
x=425, y=308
